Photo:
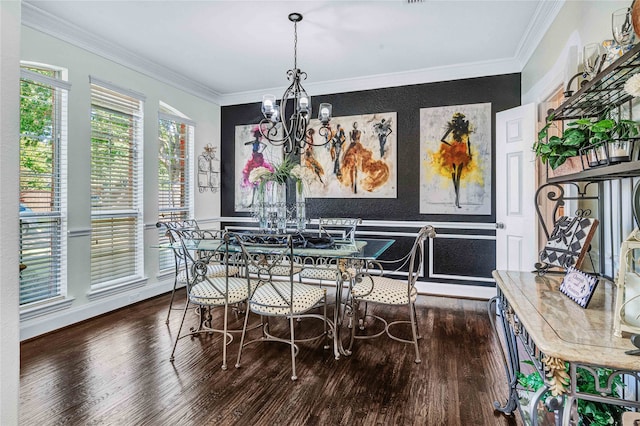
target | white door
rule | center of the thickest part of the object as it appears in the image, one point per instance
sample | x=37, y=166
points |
x=516, y=247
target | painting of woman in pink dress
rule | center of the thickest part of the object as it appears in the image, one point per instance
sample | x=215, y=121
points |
x=256, y=160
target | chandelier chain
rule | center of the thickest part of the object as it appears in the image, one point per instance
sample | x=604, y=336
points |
x=295, y=45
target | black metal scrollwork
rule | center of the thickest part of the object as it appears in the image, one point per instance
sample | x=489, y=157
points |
x=299, y=239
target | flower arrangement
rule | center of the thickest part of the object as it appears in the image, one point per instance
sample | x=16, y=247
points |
x=632, y=86
x=301, y=175
x=281, y=173
x=276, y=197
x=287, y=169
x=260, y=175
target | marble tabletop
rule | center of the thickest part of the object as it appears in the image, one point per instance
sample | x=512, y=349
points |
x=560, y=327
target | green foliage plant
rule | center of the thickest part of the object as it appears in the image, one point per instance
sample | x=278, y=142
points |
x=282, y=171
x=36, y=136
x=581, y=133
x=602, y=131
x=591, y=413
x=556, y=149
x=625, y=129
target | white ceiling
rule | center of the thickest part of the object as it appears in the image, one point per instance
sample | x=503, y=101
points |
x=230, y=51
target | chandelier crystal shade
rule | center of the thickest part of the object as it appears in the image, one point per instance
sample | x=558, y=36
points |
x=293, y=113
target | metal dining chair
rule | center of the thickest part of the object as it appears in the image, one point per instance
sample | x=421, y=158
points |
x=341, y=230
x=225, y=288
x=183, y=259
x=372, y=288
x=180, y=272
x=274, y=296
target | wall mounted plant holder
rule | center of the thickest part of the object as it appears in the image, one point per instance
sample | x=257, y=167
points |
x=208, y=170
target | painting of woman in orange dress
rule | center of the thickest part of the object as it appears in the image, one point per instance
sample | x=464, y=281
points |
x=350, y=164
x=455, y=177
x=359, y=160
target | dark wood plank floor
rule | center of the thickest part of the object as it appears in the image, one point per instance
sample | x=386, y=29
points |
x=115, y=370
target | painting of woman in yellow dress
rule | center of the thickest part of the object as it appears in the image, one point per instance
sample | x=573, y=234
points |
x=455, y=175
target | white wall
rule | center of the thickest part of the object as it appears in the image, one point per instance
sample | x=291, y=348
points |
x=42, y=48
x=578, y=23
x=9, y=131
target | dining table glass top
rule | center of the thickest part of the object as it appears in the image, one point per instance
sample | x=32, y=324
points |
x=361, y=248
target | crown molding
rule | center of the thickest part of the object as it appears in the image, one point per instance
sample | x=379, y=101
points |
x=538, y=26
x=380, y=81
x=39, y=20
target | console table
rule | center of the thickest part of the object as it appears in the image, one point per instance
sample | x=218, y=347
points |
x=537, y=321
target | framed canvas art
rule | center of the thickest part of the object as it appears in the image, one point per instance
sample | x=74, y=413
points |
x=251, y=151
x=358, y=159
x=455, y=153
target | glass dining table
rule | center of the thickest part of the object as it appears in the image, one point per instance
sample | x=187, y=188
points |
x=345, y=255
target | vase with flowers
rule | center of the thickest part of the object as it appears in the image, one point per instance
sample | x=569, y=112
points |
x=272, y=189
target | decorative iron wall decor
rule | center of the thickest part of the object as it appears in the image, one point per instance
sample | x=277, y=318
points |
x=251, y=151
x=359, y=160
x=455, y=155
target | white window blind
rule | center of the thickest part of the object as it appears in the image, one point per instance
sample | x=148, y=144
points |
x=43, y=162
x=175, y=185
x=116, y=184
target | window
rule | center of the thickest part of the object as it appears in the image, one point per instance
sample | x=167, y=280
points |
x=175, y=186
x=116, y=185
x=43, y=138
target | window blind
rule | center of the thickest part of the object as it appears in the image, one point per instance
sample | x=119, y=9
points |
x=116, y=184
x=43, y=163
x=175, y=186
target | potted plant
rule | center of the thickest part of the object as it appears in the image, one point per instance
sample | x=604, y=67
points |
x=601, y=133
x=590, y=412
x=556, y=150
x=621, y=148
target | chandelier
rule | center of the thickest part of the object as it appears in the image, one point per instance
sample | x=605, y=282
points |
x=297, y=103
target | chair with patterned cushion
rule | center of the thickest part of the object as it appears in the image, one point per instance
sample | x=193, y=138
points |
x=341, y=230
x=182, y=259
x=180, y=274
x=275, y=297
x=381, y=289
x=206, y=290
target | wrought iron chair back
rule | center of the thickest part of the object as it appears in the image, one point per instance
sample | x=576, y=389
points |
x=374, y=285
x=341, y=230
x=179, y=256
x=212, y=281
x=274, y=293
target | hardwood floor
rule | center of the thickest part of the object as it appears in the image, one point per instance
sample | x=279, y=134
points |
x=115, y=370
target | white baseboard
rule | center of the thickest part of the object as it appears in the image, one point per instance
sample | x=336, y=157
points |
x=45, y=324
x=455, y=290
x=59, y=319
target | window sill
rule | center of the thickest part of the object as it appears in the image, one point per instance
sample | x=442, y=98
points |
x=115, y=288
